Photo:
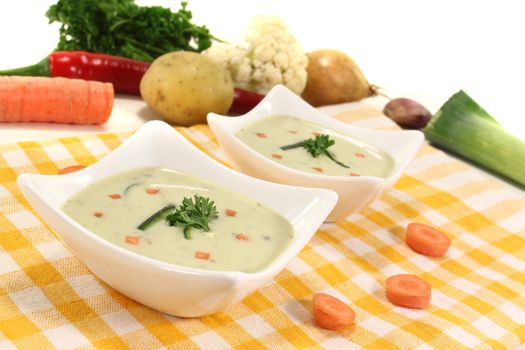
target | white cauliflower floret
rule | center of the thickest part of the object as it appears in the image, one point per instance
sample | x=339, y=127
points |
x=270, y=56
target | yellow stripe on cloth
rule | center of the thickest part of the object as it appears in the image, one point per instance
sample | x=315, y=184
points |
x=48, y=299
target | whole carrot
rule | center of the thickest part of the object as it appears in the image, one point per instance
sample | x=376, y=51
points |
x=56, y=100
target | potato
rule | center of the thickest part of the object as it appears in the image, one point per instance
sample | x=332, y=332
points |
x=183, y=87
x=333, y=77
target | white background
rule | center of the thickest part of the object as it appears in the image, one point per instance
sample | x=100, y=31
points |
x=426, y=50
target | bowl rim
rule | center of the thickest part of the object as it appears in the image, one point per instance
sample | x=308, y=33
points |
x=277, y=264
x=230, y=125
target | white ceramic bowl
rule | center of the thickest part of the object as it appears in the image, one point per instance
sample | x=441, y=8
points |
x=173, y=289
x=355, y=192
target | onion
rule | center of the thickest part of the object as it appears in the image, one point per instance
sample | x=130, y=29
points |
x=407, y=113
x=333, y=77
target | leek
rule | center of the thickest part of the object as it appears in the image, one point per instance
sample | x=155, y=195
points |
x=464, y=128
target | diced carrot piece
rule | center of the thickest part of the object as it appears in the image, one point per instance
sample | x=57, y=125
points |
x=114, y=196
x=320, y=170
x=277, y=156
x=360, y=155
x=70, y=169
x=151, y=190
x=354, y=174
x=58, y=100
x=261, y=135
x=230, y=212
x=98, y=214
x=202, y=255
x=132, y=240
x=426, y=240
x=331, y=313
x=408, y=291
x=241, y=237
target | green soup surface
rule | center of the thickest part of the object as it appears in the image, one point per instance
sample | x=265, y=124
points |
x=245, y=236
x=268, y=135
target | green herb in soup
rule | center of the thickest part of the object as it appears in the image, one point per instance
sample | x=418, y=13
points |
x=313, y=148
x=180, y=219
x=193, y=214
x=317, y=146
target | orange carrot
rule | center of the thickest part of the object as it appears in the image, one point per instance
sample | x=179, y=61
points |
x=230, y=212
x=151, y=190
x=132, y=240
x=331, y=313
x=408, y=291
x=70, y=169
x=277, y=156
x=98, y=214
x=241, y=237
x=202, y=255
x=114, y=196
x=354, y=174
x=320, y=170
x=56, y=100
x=426, y=240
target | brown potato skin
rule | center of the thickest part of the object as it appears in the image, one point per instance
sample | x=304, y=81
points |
x=333, y=77
x=183, y=87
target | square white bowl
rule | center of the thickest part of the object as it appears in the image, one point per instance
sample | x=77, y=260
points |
x=355, y=192
x=177, y=290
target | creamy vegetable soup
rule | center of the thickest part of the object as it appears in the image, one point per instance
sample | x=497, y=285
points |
x=180, y=219
x=310, y=147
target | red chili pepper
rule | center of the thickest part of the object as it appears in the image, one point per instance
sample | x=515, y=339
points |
x=124, y=73
x=244, y=101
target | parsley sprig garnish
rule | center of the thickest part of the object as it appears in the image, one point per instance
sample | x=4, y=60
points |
x=196, y=212
x=317, y=146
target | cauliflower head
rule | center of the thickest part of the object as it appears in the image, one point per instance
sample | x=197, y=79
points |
x=270, y=56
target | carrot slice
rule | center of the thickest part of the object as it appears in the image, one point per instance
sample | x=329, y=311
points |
x=277, y=156
x=132, y=240
x=98, y=214
x=426, y=240
x=408, y=291
x=230, y=212
x=318, y=169
x=114, y=196
x=57, y=100
x=241, y=237
x=151, y=190
x=202, y=255
x=331, y=313
x=70, y=169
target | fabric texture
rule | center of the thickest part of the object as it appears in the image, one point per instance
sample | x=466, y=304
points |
x=49, y=299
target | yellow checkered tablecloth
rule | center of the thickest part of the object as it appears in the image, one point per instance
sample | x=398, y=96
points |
x=48, y=299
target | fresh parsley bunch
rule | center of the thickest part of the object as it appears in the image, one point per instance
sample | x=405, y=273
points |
x=122, y=28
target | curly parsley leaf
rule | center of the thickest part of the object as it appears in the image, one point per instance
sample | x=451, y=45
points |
x=317, y=146
x=196, y=212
